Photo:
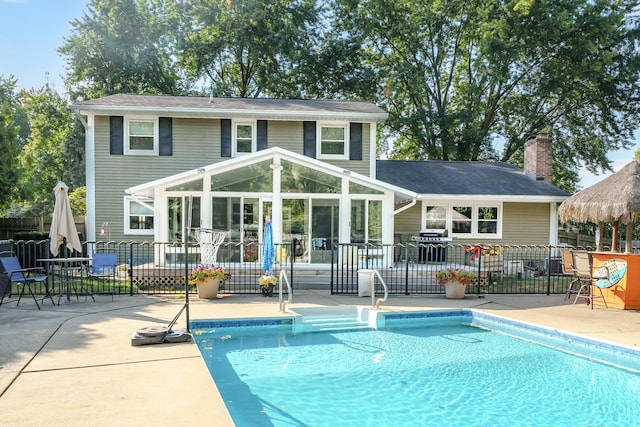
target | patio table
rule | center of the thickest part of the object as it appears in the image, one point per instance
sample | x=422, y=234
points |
x=66, y=265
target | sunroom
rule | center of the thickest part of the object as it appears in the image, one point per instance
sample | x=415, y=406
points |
x=312, y=205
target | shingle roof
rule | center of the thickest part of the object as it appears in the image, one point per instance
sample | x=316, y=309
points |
x=219, y=107
x=457, y=178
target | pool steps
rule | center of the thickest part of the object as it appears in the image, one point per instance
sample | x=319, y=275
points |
x=335, y=318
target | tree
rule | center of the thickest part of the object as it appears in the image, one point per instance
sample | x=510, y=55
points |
x=248, y=48
x=121, y=46
x=10, y=132
x=43, y=161
x=472, y=81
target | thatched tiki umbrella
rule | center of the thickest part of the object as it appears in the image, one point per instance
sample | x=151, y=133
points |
x=614, y=199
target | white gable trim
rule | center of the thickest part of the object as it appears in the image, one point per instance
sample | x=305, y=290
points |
x=147, y=189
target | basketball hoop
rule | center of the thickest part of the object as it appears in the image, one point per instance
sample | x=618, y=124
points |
x=209, y=241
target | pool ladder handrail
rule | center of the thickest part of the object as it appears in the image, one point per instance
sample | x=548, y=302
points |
x=375, y=303
x=283, y=278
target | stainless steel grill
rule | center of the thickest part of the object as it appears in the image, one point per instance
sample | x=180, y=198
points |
x=433, y=245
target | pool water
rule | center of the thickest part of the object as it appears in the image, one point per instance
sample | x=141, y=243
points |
x=411, y=375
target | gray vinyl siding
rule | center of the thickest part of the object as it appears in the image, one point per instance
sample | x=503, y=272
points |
x=286, y=135
x=522, y=224
x=525, y=223
x=196, y=143
x=407, y=223
x=289, y=135
x=358, y=166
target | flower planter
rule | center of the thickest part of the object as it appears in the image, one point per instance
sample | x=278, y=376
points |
x=454, y=290
x=267, y=291
x=208, y=288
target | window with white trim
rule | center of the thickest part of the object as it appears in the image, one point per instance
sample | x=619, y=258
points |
x=487, y=219
x=138, y=217
x=333, y=141
x=464, y=220
x=141, y=136
x=436, y=217
x=461, y=219
x=244, y=137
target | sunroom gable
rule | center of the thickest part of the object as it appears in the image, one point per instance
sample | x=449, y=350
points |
x=235, y=170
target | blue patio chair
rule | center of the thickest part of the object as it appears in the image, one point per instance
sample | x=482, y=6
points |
x=103, y=268
x=23, y=276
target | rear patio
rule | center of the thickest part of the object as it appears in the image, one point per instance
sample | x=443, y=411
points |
x=74, y=365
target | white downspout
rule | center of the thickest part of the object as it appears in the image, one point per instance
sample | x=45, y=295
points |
x=405, y=207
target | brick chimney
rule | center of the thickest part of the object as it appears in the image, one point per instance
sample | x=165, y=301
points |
x=538, y=159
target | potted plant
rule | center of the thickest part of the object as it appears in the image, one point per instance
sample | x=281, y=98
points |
x=455, y=281
x=267, y=284
x=208, y=280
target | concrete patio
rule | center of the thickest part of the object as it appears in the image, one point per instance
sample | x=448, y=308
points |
x=73, y=365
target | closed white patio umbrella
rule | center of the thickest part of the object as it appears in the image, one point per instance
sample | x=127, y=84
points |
x=63, y=225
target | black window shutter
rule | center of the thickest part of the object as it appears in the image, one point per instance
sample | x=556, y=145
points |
x=116, y=135
x=355, y=141
x=166, y=136
x=262, y=135
x=309, y=137
x=225, y=137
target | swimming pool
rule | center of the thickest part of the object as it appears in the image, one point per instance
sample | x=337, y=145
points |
x=420, y=368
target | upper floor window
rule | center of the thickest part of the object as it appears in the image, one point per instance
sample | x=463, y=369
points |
x=138, y=217
x=333, y=141
x=141, y=136
x=244, y=138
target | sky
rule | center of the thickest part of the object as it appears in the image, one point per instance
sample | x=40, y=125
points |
x=33, y=30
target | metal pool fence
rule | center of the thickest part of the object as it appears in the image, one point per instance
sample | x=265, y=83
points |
x=407, y=269
x=412, y=268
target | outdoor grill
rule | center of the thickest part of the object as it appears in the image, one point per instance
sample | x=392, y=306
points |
x=433, y=244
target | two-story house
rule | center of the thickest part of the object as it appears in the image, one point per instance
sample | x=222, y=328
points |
x=307, y=165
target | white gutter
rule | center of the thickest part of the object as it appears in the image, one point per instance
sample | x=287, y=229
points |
x=494, y=197
x=405, y=207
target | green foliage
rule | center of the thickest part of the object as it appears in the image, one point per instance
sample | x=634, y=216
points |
x=121, y=46
x=78, y=201
x=43, y=159
x=473, y=81
x=247, y=48
x=9, y=140
x=460, y=80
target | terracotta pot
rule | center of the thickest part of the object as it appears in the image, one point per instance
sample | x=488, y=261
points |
x=454, y=290
x=208, y=288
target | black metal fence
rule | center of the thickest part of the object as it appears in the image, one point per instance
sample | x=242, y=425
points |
x=413, y=268
x=149, y=267
x=408, y=269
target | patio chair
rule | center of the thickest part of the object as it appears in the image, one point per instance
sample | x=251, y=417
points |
x=320, y=243
x=103, y=269
x=567, y=269
x=23, y=276
x=583, y=272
